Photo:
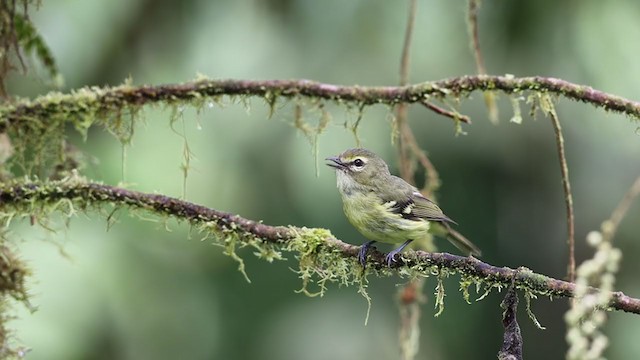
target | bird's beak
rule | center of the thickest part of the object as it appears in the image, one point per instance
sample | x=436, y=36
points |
x=335, y=162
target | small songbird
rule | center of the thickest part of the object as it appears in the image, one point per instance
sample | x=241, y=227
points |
x=385, y=208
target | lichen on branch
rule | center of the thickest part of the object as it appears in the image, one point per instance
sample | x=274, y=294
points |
x=36, y=127
x=108, y=101
x=322, y=258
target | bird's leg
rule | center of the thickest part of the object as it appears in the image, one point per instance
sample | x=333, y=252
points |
x=390, y=257
x=362, y=254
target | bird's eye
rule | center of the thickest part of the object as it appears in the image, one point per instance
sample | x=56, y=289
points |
x=358, y=162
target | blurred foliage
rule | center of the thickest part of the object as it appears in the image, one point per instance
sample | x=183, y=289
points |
x=140, y=292
x=17, y=37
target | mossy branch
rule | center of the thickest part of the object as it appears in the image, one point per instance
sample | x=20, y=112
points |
x=111, y=101
x=35, y=196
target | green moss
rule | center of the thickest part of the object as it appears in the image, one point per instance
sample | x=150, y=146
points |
x=465, y=283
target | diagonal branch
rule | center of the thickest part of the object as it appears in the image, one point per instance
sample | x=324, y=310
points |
x=109, y=101
x=610, y=226
x=35, y=195
x=446, y=113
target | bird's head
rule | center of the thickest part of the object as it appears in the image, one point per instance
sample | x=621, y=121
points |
x=358, y=167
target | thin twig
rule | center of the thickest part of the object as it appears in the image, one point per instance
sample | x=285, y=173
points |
x=410, y=312
x=406, y=48
x=475, y=37
x=568, y=197
x=406, y=165
x=432, y=182
x=610, y=226
x=83, y=195
x=489, y=98
x=408, y=141
x=444, y=112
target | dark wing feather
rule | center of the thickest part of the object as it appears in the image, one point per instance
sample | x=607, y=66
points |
x=427, y=209
x=408, y=202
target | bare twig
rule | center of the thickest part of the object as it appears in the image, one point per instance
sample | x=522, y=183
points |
x=408, y=143
x=432, y=183
x=406, y=163
x=406, y=48
x=610, y=226
x=568, y=197
x=84, y=194
x=489, y=98
x=410, y=312
x=474, y=6
x=444, y=112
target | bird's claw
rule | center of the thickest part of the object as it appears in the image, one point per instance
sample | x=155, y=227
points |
x=390, y=258
x=362, y=253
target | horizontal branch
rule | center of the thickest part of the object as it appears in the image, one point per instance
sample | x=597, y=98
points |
x=83, y=194
x=97, y=101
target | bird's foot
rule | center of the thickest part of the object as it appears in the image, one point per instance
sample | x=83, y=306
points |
x=390, y=258
x=362, y=254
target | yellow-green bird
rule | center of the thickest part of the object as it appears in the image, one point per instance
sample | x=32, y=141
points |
x=385, y=208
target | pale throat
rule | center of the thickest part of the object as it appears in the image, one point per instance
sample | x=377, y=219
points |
x=346, y=184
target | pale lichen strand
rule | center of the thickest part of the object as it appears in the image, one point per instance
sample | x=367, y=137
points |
x=320, y=264
x=39, y=144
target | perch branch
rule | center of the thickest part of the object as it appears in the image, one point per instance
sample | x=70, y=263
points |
x=81, y=193
x=111, y=101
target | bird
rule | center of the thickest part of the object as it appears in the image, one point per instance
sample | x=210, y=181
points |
x=385, y=208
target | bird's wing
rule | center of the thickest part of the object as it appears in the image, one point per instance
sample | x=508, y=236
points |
x=412, y=205
x=426, y=209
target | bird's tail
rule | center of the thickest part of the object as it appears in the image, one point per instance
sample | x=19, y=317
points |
x=458, y=240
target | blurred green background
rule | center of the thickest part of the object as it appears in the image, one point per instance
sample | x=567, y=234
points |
x=140, y=292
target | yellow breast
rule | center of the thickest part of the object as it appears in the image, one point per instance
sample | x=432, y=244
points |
x=376, y=222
